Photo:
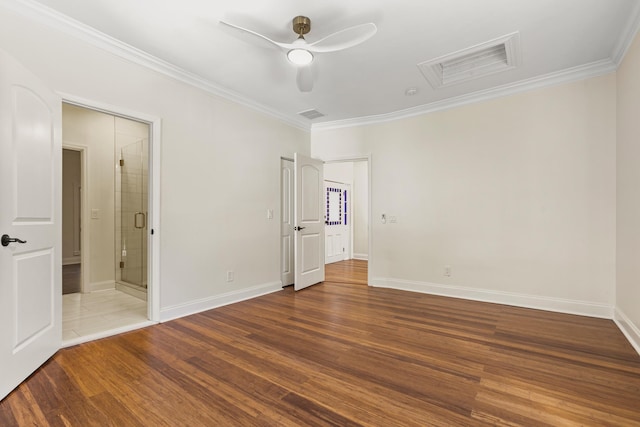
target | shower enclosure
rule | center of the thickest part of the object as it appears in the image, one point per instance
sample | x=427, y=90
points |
x=131, y=218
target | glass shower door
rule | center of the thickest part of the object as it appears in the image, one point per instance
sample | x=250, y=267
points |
x=133, y=220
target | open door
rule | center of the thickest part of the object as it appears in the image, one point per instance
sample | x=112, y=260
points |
x=30, y=223
x=309, y=224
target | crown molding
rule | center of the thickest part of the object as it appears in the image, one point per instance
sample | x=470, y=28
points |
x=56, y=20
x=568, y=75
x=627, y=35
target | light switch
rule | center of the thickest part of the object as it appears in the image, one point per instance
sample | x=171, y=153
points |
x=269, y=213
x=95, y=213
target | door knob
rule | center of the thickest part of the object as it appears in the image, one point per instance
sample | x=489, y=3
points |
x=6, y=240
x=299, y=228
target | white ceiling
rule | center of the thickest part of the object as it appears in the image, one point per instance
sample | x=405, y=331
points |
x=559, y=39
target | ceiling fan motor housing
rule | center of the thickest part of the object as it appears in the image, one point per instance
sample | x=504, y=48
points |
x=301, y=25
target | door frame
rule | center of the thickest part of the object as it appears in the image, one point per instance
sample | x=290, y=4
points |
x=279, y=216
x=84, y=212
x=359, y=158
x=153, y=220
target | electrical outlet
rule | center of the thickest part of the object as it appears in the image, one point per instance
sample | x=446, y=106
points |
x=447, y=270
x=230, y=276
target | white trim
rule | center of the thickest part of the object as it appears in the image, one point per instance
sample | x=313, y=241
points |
x=630, y=331
x=101, y=286
x=104, y=334
x=71, y=260
x=627, y=35
x=363, y=257
x=583, y=308
x=197, y=306
x=582, y=72
x=54, y=19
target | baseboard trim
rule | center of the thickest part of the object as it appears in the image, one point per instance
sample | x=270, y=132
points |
x=364, y=257
x=197, y=306
x=628, y=328
x=71, y=260
x=582, y=308
x=101, y=286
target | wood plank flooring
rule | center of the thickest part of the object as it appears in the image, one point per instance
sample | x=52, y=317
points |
x=353, y=271
x=343, y=354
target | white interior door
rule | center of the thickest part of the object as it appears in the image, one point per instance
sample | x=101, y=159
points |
x=30, y=185
x=338, y=219
x=286, y=225
x=309, y=222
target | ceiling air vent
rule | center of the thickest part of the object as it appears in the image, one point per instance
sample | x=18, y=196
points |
x=311, y=114
x=487, y=58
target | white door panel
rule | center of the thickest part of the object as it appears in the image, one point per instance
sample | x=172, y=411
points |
x=309, y=220
x=30, y=185
x=338, y=221
x=286, y=226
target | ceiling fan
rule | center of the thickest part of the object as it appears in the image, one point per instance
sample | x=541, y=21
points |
x=301, y=53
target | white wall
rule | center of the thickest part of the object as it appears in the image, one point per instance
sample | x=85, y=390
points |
x=517, y=195
x=628, y=200
x=219, y=169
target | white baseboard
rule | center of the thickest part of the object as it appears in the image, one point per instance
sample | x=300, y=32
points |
x=71, y=260
x=101, y=286
x=197, y=306
x=364, y=257
x=631, y=331
x=583, y=308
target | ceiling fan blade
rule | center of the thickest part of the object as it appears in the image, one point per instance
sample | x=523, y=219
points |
x=344, y=39
x=304, y=79
x=258, y=35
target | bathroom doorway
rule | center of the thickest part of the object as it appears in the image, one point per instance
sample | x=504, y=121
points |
x=114, y=226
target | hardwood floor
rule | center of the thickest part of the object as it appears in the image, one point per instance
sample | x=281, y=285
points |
x=343, y=354
x=353, y=271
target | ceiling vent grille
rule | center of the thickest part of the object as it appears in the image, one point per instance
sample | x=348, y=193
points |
x=487, y=58
x=311, y=114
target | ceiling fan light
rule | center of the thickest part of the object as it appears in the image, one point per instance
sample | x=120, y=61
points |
x=300, y=56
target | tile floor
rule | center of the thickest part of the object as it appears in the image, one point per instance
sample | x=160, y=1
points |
x=98, y=314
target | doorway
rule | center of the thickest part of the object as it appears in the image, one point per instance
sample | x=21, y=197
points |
x=347, y=210
x=356, y=172
x=113, y=226
x=71, y=224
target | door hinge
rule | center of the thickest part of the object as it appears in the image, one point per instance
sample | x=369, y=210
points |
x=121, y=264
x=121, y=162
